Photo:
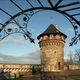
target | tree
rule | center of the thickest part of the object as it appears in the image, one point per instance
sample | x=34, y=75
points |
x=77, y=56
x=70, y=57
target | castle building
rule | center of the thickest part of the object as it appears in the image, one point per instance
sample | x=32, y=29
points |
x=51, y=43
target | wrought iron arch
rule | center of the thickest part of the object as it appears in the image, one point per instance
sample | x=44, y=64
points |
x=29, y=12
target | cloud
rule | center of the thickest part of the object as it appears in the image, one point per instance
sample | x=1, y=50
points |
x=30, y=58
x=33, y=57
x=0, y=21
x=70, y=29
x=12, y=40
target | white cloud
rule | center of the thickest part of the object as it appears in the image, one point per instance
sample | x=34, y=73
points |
x=70, y=29
x=0, y=21
x=12, y=40
x=30, y=58
x=1, y=59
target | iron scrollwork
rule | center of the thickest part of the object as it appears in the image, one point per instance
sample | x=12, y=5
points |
x=22, y=18
x=18, y=26
x=77, y=34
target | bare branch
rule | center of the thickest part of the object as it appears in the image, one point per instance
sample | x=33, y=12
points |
x=77, y=56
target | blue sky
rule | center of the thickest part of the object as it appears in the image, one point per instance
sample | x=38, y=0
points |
x=17, y=47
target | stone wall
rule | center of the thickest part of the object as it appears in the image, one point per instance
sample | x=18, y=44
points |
x=16, y=68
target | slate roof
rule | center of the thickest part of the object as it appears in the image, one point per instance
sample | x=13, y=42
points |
x=51, y=30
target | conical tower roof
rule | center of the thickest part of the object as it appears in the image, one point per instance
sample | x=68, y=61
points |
x=51, y=30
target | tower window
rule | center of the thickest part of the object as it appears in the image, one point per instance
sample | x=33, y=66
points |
x=59, y=65
x=54, y=52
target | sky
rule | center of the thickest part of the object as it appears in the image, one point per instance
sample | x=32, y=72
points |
x=15, y=49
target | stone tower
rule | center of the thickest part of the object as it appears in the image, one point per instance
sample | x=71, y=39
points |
x=51, y=43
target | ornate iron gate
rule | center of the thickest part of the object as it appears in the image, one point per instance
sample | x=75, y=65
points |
x=32, y=9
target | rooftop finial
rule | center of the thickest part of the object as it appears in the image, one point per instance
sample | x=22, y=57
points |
x=57, y=26
x=51, y=30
